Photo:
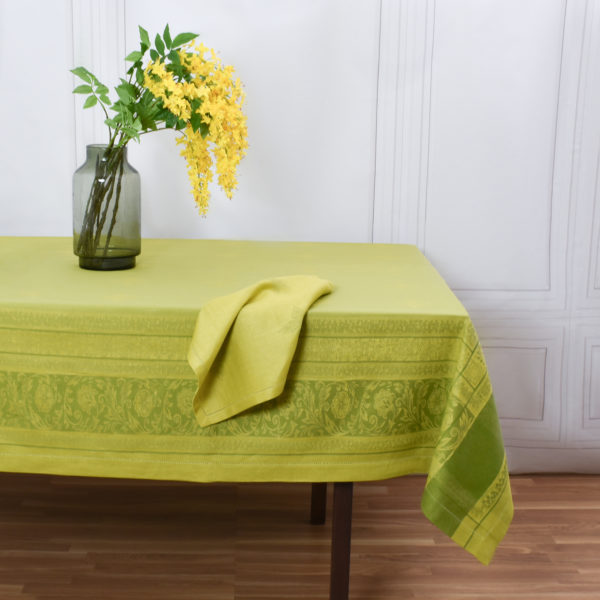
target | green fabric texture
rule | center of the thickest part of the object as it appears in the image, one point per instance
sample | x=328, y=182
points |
x=387, y=377
x=243, y=344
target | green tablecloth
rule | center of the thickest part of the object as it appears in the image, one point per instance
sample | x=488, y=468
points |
x=388, y=377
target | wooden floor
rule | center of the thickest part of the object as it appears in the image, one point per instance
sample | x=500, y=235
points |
x=78, y=539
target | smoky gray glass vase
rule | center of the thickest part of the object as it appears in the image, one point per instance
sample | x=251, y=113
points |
x=106, y=210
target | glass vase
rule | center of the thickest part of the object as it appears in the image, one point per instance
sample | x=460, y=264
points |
x=106, y=210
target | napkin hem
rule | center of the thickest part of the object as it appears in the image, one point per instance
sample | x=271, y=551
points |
x=226, y=412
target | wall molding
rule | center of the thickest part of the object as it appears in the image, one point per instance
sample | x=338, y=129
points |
x=99, y=45
x=402, y=133
x=552, y=460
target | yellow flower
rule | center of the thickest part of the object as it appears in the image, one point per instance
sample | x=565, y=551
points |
x=208, y=95
x=199, y=164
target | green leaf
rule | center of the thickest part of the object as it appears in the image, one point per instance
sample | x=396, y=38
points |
x=127, y=92
x=139, y=76
x=154, y=55
x=101, y=89
x=124, y=94
x=125, y=116
x=196, y=121
x=160, y=46
x=82, y=73
x=183, y=38
x=91, y=101
x=134, y=56
x=146, y=115
x=204, y=129
x=144, y=37
x=147, y=97
x=131, y=132
x=182, y=73
x=111, y=123
x=105, y=99
x=163, y=113
x=117, y=108
x=83, y=89
x=171, y=120
x=167, y=37
x=174, y=57
x=129, y=86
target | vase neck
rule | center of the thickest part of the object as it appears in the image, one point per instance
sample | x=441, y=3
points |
x=95, y=151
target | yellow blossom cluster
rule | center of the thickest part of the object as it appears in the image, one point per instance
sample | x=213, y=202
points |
x=210, y=101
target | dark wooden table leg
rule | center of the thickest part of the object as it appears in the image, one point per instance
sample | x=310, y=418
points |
x=318, y=503
x=340, y=541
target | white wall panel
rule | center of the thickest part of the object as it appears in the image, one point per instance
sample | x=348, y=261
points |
x=518, y=377
x=310, y=72
x=594, y=256
x=597, y=279
x=584, y=416
x=593, y=375
x=585, y=233
x=495, y=90
x=526, y=362
x=36, y=146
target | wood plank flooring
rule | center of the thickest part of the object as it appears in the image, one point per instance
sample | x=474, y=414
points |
x=82, y=539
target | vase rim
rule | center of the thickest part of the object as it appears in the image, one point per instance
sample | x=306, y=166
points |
x=93, y=148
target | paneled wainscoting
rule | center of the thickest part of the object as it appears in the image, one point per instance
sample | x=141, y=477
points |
x=76, y=538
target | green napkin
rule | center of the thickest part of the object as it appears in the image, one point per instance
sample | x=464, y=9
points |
x=243, y=344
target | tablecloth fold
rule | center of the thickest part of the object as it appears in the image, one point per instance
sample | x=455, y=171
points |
x=244, y=342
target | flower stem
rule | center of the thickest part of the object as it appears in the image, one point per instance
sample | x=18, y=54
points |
x=100, y=196
x=116, y=207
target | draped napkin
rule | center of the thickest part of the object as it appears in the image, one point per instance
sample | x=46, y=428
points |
x=243, y=344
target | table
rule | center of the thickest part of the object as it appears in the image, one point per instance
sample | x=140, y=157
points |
x=388, y=377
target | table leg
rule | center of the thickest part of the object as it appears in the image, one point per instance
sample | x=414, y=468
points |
x=340, y=541
x=318, y=503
